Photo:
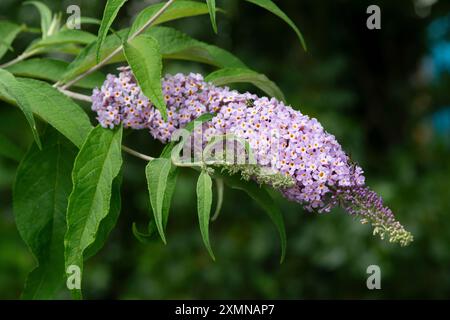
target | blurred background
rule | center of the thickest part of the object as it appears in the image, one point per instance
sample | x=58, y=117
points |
x=385, y=94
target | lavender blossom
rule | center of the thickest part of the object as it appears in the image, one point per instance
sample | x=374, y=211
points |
x=321, y=174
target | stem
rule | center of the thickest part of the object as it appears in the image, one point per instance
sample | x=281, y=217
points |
x=19, y=58
x=25, y=28
x=137, y=154
x=117, y=50
x=76, y=95
x=82, y=97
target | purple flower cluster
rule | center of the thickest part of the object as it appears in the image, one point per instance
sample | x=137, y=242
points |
x=281, y=138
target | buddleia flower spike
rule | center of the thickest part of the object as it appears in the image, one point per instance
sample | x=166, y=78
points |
x=307, y=163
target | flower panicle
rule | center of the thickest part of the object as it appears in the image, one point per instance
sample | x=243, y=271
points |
x=290, y=151
x=368, y=205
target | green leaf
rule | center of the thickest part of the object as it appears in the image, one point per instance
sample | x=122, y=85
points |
x=88, y=57
x=54, y=108
x=46, y=16
x=57, y=109
x=8, y=32
x=178, y=9
x=5, y=96
x=21, y=96
x=272, y=7
x=66, y=48
x=177, y=45
x=109, y=14
x=40, y=195
x=89, y=20
x=161, y=180
x=212, y=13
x=109, y=222
x=68, y=36
x=204, y=200
x=144, y=57
x=96, y=165
x=173, y=45
x=265, y=201
x=235, y=75
x=9, y=150
x=52, y=70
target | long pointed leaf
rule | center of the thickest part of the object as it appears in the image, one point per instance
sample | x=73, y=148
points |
x=272, y=7
x=64, y=37
x=8, y=32
x=54, y=107
x=178, y=45
x=204, y=200
x=144, y=57
x=52, y=70
x=161, y=180
x=46, y=16
x=108, y=223
x=179, y=9
x=41, y=190
x=236, y=75
x=109, y=14
x=18, y=92
x=173, y=45
x=212, y=13
x=96, y=165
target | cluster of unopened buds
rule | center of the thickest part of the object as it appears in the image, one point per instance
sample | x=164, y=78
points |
x=284, y=148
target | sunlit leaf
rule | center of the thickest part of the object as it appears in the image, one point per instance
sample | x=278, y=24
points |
x=110, y=12
x=144, y=57
x=96, y=165
x=212, y=13
x=57, y=109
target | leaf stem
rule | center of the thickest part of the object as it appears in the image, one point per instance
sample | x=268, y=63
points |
x=19, y=58
x=76, y=95
x=118, y=49
x=137, y=154
x=82, y=97
x=25, y=28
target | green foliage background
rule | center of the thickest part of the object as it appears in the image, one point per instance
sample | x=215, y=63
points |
x=362, y=85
